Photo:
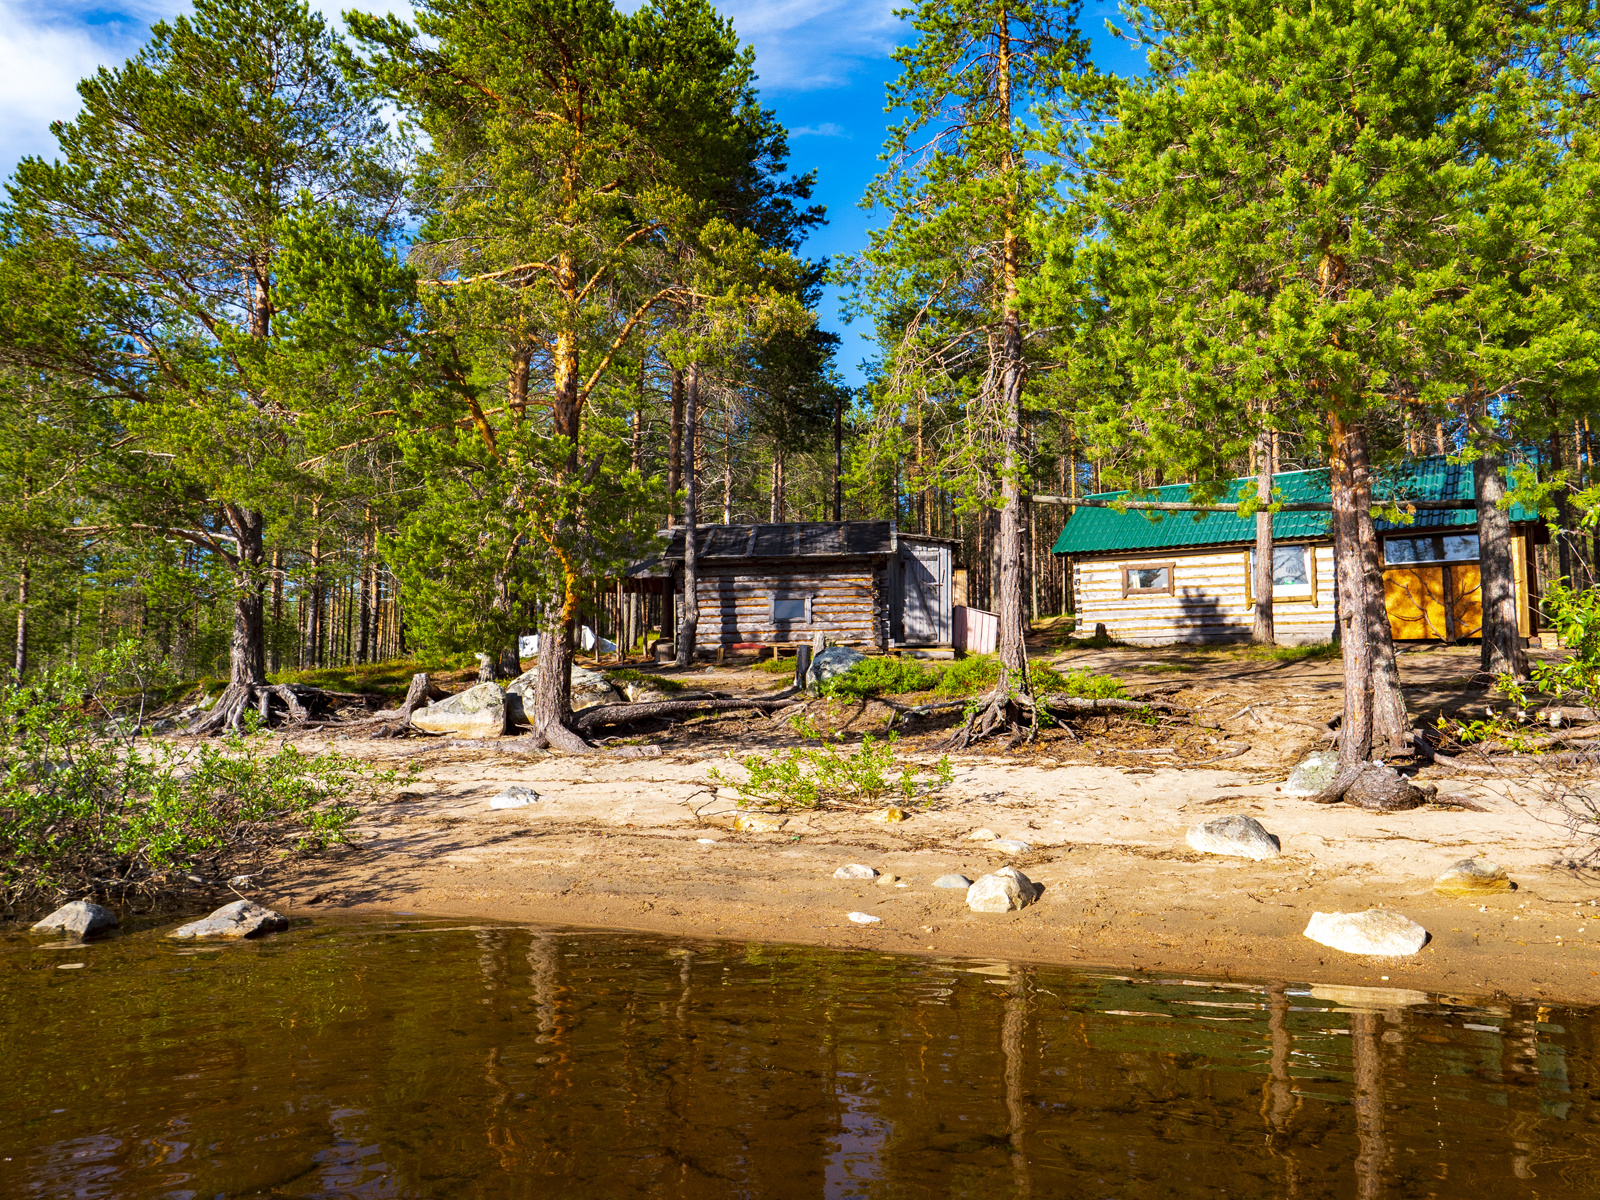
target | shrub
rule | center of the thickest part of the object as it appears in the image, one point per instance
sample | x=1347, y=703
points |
x=886, y=676
x=977, y=674
x=87, y=806
x=806, y=777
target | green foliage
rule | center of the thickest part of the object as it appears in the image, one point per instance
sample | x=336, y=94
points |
x=775, y=666
x=1574, y=614
x=810, y=777
x=882, y=676
x=87, y=806
x=979, y=673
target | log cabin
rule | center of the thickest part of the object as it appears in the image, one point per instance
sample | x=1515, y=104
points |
x=858, y=583
x=1156, y=578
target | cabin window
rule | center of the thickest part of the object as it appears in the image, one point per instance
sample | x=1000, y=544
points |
x=1430, y=548
x=787, y=610
x=1147, y=579
x=1291, y=572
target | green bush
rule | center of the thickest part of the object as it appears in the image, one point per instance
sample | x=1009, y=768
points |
x=87, y=806
x=886, y=676
x=979, y=673
x=806, y=777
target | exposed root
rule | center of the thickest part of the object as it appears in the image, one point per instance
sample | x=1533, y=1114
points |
x=297, y=703
x=1371, y=786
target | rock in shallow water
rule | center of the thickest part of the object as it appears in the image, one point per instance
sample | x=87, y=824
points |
x=1472, y=877
x=241, y=919
x=855, y=871
x=952, y=881
x=514, y=797
x=80, y=919
x=1236, y=835
x=1312, y=774
x=1000, y=892
x=1376, y=931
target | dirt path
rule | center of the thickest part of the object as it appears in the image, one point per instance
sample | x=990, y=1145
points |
x=650, y=845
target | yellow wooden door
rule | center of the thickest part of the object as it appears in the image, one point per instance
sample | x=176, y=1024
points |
x=1414, y=597
x=1466, y=600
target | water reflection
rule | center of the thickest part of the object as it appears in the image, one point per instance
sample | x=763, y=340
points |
x=394, y=1059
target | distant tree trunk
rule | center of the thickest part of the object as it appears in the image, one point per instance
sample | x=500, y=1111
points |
x=1262, y=634
x=364, y=644
x=779, y=506
x=689, y=620
x=675, y=448
x=24, y=578
x=1501, y=649
x=277, y=608
x=727, y=466
x=838, y=456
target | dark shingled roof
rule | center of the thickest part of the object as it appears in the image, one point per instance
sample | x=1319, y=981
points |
x=806, y=539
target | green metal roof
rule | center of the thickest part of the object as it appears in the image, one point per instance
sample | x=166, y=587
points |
x=1104, y=530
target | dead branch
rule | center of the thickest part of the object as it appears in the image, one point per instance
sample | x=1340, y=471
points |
x=602, y=715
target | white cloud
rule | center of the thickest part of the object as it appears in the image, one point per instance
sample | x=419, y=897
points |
x=806, y=45
x=826, y=130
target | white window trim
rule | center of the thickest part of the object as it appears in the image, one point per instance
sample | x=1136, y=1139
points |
x=1296, y=592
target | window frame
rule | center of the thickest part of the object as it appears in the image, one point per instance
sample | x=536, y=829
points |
x=1440, y=537
x=1171, y=569
x=775, y=598
x=1308, y=553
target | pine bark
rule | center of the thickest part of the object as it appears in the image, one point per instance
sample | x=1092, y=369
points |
x=689, y=619
x=24, y=578
x=1502, y=652
x=675, y=448
x=1262, y=633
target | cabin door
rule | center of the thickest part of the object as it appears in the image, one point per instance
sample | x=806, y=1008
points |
x=925, y=594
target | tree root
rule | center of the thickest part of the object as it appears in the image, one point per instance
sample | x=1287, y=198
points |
x=602, y=715
x=1372, y=786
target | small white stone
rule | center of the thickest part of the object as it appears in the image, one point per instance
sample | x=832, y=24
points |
x=855, y=871
x=514, y=797
x=707, y=841
x=864, y=918
x=1376, y=931
x=982, y=835
x=1236, y=835
x=999, y=893
x=952, y=881
x=1009, y=846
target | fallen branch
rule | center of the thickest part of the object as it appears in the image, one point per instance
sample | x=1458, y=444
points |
x=1206, y=762
x=1108, y=704
x=601, y=715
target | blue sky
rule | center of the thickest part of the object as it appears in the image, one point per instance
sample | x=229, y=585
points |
x=823, y=66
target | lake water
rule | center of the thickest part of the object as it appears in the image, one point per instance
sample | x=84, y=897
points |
x=404, y=1057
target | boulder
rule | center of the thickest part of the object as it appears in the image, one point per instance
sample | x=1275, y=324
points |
x=855, y=871
x=998, y=893
x=1009, y=846
x=757, y=823
x=1376, y=931
x=514, y=797
x=241, y=919
x=1472, y=877
x=1312, y=773
x=1236, y=835
x=480, y=711
x=831, y=663
x=80, y=919
x=589, y=688
x=952, y=881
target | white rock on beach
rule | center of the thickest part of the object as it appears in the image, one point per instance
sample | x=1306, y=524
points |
x=1312, y=773
x=480, y=711
x=855, y=871
x=982, y=835
x=1009, y=846
x=952, y=881
x=757, y=823
x=1376, y=931
x=514, y=797
x=864, y=918
x=1236, y=835
x=1472, y=877
x=1000, y=893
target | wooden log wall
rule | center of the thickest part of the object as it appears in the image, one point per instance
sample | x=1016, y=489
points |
x=849, y=601
x=1210, y=600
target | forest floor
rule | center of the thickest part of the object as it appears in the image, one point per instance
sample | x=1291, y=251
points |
x=649, y=844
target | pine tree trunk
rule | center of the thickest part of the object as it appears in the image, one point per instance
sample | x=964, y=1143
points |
x=364, y=642
x=24, y=578
x=689, y=619
x=1262, y=634
x=1502, y=652
x=675, y=449
x=1391, y=728
x=838, y=456
x=247, y=650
